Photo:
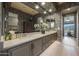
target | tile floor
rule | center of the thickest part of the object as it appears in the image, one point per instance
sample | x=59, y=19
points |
x=68, y=47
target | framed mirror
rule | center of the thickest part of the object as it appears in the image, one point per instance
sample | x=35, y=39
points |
x=12, y=22
x=51, y=23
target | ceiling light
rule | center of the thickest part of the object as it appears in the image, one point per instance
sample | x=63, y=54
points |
x=45, y=12
x=50, y=10
x=68, y=9
x=37, y=7
x=43, y=3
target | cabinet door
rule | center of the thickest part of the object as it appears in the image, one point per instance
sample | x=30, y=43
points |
x=43, y=43
x=4, y=53
x=48, y=40
x=22, y=50
x=46, y=43
x=37, y=46
x=28, y=49
x=54, y=37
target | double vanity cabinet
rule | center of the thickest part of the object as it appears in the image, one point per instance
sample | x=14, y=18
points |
x=31, y=48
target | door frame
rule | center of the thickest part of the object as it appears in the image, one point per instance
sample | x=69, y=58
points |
x=74, y=22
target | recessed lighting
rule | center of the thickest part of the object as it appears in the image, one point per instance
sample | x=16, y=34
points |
x=43, y=3
x=45, y=12
x=37, y=7
x=50, y=10
x=68, y=9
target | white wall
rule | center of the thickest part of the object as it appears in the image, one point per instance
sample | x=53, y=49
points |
x=1, y=43
x=57, y=17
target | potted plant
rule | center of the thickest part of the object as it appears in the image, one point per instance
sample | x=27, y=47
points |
x=43, y=27
x=8, y=36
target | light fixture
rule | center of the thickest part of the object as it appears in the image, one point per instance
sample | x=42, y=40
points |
x=43, y=3
x=37, y=7
x=68, y=9
x=50, y=10
x=45, y=12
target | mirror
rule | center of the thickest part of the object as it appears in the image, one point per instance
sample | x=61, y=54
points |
x=12, y=22
x=51, y=23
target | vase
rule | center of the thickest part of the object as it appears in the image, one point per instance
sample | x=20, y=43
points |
x=43, y=32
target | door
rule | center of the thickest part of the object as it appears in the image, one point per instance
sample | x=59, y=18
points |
x=70, y=25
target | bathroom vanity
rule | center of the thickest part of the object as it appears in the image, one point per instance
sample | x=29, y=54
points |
x=31, y=45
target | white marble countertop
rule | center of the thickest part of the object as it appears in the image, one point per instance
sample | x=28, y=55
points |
x=29, y=37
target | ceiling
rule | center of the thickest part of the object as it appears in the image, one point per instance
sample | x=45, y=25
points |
x=64, y=5
x=43, y=8
x=54, y=6
x=70, y=10
x=24, y=8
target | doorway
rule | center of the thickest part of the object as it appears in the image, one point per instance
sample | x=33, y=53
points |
x=70, y=25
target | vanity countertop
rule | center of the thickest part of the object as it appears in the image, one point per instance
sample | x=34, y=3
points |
x=29, y=37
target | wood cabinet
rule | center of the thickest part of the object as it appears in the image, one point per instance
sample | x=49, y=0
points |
x=32, y=48
x=43, y=42
x=22, y=50
x=47, y=41
x=37, y=46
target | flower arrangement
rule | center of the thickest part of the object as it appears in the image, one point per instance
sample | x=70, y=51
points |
x=41, y=26
x=8, y=36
